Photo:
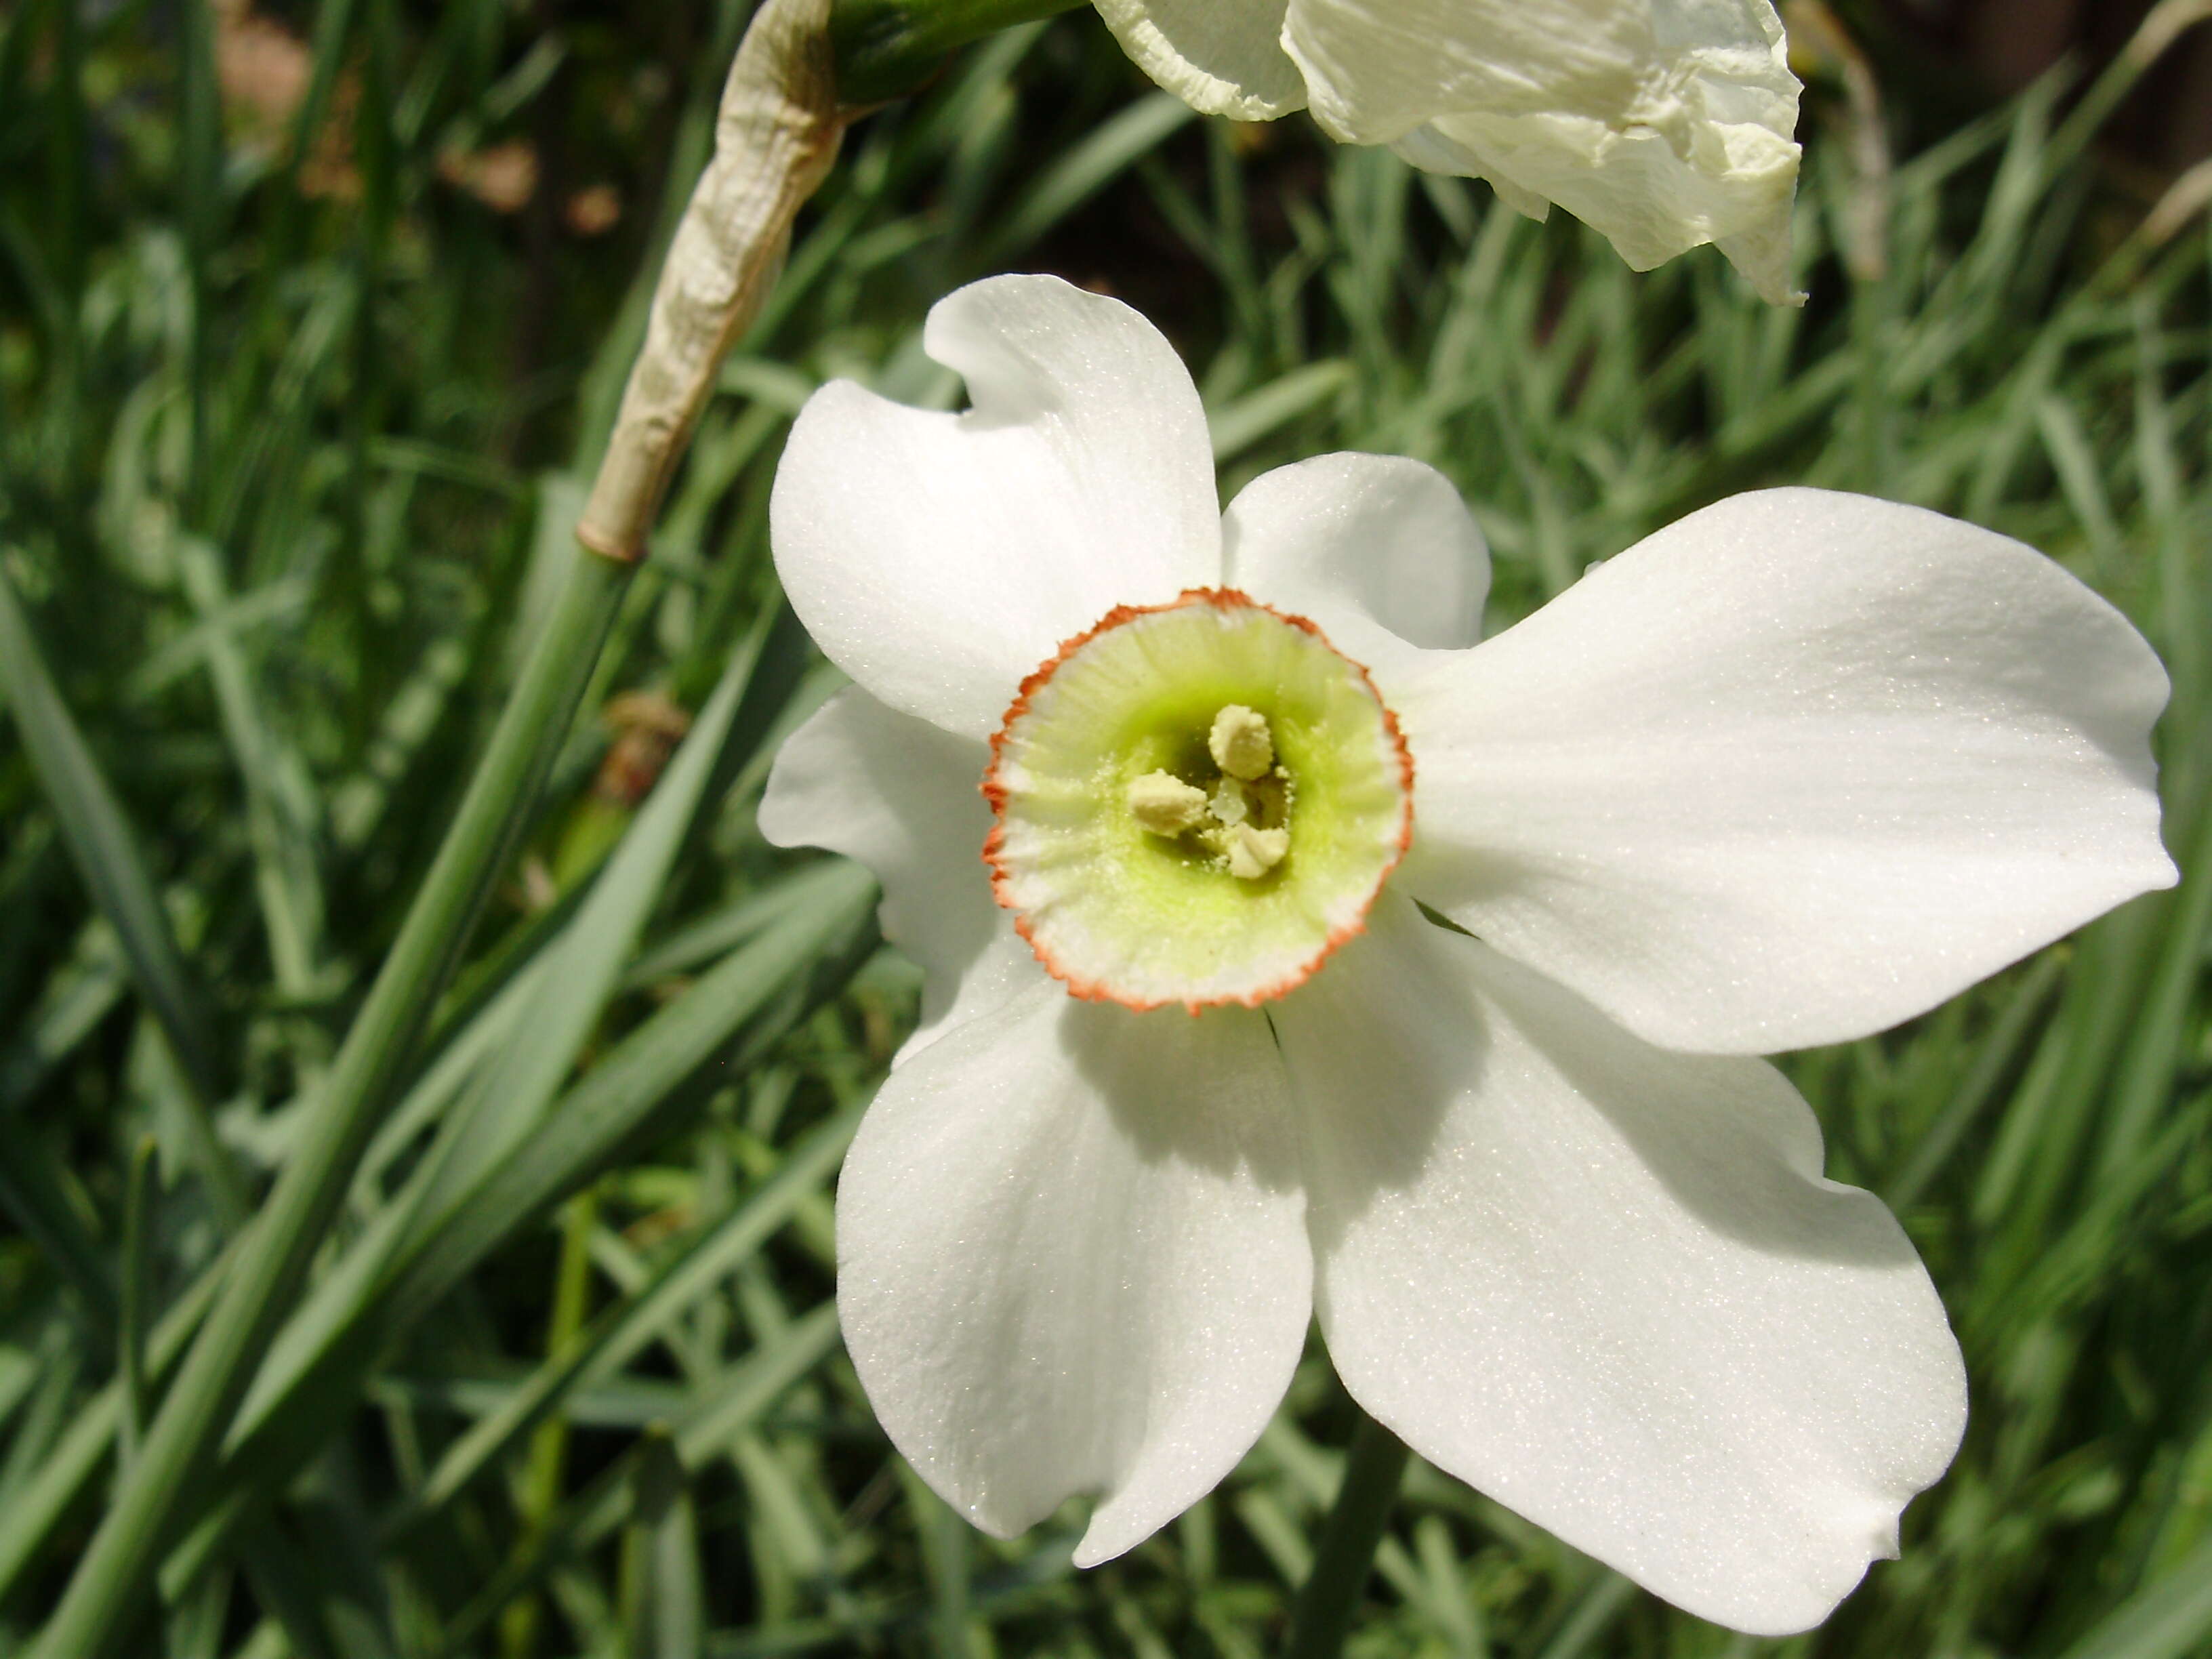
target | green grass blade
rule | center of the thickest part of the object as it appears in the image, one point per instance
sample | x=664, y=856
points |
x=106, y=853
x=722, y=1412
x=732, y=1014
x=662, y=1594
x=117, y=1569
x=280, y=818
x=2171, y=1619
x=1112, y=149
x=133, y=1312
x=586, y=963
x=40, y=1198
x=622, y=1331
x=31, y=1515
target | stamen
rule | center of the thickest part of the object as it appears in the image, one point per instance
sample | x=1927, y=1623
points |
x=1240, y=742
x=1252, y=853
x=1243, y=820
x=1163, y=804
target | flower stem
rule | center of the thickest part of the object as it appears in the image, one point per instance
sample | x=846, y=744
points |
x=1322, y=1617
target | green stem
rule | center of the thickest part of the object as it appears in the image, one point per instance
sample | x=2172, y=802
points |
x=887, y=49
x=1322, y=1617
x=113, y=1575
x=546, y=1473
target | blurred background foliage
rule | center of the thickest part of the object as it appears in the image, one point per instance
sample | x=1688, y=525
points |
x=312, y=320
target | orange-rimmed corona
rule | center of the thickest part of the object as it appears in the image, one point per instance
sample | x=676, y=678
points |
x=1196, y=803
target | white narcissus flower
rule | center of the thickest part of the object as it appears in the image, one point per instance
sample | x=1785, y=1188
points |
x=1786, y=773
x=1663, y=123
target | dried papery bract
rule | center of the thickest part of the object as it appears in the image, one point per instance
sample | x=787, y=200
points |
x=775, y=140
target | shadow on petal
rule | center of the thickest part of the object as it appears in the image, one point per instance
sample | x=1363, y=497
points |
x=1616, y=1297
x=1139, y=1064
x=1401, y=1026
x=1406, y=1043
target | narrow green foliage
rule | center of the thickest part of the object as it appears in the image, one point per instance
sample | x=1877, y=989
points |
x=108, y=858
x=130, y=1309
x=1344, y=1553
x=888, y=49
x=181, y=1446
x=527, y=1066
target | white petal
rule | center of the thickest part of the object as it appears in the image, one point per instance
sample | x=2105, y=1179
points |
x=1362, y=544
x=904, y=798
x=1663, y=123
x=1220, y=57
x=1790, y=771
x=1072, y=1257
x=1428, y=149
x=939, y=558
x=1606, y=1284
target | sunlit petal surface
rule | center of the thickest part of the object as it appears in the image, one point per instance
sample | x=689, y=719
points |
x=937, y=558
x=1072, y=1258
x=1378, y=549
x=1607, y=1284
x=901, y=797
x=1790, y=771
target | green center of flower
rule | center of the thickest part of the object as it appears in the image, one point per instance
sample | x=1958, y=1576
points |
x=1196, y=802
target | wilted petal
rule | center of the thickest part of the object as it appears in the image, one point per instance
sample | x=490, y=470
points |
x=901, y=797
x=1606, y=1284
x=937, y=558
x=1363, y=545
x=1663, y=123
x=1791, y=770
x=1429, y=148
x=1072, y=1257
x=1220, y=57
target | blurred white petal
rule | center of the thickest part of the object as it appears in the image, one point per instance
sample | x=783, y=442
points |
x=1662, y=123
x=1220, y=57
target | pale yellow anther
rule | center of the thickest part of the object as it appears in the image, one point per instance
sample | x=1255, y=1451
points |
x=1229, y=818
x=1240, y=742
x=1164, y=805
x=1252, y=853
